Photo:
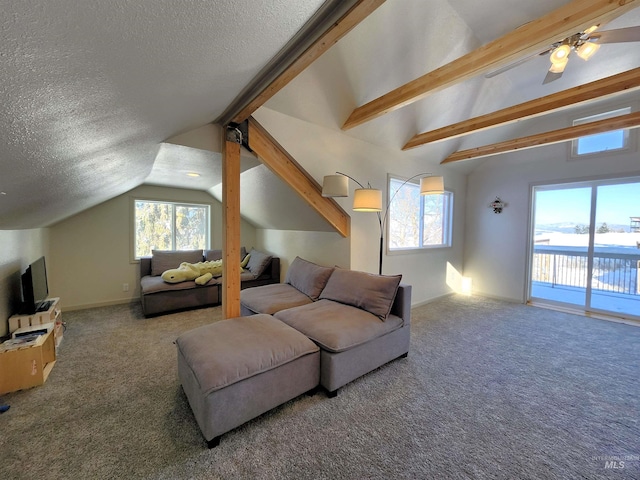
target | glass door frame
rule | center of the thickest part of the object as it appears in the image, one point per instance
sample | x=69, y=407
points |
x=592, y=183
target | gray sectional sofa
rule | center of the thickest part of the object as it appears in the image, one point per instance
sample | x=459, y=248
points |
x=323, y=326
x=360, y=321
x=158, y=297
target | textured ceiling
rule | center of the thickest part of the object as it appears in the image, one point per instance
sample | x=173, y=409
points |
x=92, y=91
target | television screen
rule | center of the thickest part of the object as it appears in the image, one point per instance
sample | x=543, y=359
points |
x=35, y=288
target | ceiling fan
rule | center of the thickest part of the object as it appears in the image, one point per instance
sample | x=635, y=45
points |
x=585, y=44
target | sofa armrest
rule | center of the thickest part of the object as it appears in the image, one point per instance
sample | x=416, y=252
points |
x=402, y=303
x=274, y=269
x=145, y=266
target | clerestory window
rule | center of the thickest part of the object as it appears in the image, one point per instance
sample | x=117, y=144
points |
x=601, y=142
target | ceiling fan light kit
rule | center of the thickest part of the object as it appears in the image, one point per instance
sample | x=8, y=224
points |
x=580, y=43
x=585, y=44
x=591, y=29
x=560, y=55
x=586, y=50
x=558, y=67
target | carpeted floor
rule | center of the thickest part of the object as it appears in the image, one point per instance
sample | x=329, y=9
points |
x=489, y=390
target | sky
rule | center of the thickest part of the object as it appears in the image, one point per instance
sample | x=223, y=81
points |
x=615, y=204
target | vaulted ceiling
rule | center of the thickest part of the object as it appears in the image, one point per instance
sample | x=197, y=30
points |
x=91, y=92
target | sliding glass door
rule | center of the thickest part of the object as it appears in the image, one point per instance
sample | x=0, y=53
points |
x=585, y=246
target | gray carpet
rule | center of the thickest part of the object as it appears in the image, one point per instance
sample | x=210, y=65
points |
x=489, y=390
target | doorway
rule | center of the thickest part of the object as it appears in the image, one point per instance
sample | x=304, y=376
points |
x=585, y=246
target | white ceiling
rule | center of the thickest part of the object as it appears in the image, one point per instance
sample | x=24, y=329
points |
x=91, y=91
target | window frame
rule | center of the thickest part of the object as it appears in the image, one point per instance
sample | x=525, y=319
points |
x=601, y=114
x=175, y=204
x=447, y=220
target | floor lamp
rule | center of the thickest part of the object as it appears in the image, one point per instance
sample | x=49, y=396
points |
x=369, y=199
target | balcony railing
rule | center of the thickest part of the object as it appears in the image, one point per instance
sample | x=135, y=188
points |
x=615, y=269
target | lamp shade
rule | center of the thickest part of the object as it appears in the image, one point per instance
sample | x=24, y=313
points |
x=335, y=186
x=431, y=185
x=367, y=200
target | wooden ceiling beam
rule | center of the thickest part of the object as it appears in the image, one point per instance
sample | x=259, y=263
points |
x=616, y=84
x=631, y=120
x=284, y=69
x=276, y=158
x=528, y=39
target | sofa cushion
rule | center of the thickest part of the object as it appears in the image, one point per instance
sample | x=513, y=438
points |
x=246, y=276
x=370, y=292
x=217, y=254
x=154, y=284
x=308, y=277
x=272, y=298
x=228, y=351
x=336, y=327
x=258, y=262
x=163, y=260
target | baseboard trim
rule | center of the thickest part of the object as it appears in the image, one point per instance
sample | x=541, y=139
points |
x=85, y=306
x=432, y=299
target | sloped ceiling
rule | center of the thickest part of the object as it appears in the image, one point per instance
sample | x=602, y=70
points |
x=92, y=91
x=403, y=40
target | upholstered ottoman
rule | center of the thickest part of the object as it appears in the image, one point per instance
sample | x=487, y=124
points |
x=234, y=370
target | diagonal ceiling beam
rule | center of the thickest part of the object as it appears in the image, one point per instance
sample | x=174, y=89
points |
x=528, y=39
x=623, y=82
x=332, y=22
x=276, y=158
x=631, y=120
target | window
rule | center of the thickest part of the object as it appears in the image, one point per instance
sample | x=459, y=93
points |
x=417, y=221
x=601, y=142
x=169, y=226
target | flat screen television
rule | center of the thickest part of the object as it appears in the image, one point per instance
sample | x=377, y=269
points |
x=35, y=288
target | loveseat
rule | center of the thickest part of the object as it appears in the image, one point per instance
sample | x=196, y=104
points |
x=158, y=296
x=360, y=321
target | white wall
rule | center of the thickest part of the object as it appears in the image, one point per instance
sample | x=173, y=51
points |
x=323, y=151
x=496, y=246
x=19, y=249
x=90, y=252
x=322, y=248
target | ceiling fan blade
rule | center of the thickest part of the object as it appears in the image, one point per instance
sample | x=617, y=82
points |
x=551, y=76
x=511, y=65
x=619, y=35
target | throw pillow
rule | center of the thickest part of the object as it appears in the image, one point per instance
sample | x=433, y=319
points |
x=258, y=262
x=370, y=292
x=308, y=277
x=217, y=254
x=163, y=260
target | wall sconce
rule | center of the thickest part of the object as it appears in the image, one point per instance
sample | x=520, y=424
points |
x=369, y=199
x=497, y=205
